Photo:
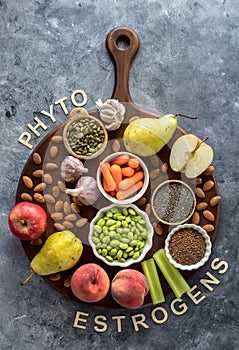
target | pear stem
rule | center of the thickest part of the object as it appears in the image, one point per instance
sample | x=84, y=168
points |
x=185, y=116
x=199, y=143
x=28, y=278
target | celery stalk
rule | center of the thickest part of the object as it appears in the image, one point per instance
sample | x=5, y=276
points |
x=155, y=290
x=174, y=278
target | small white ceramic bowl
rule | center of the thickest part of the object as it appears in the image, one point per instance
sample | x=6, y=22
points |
x=129, y=261
x=131, y=199
x=207, y=250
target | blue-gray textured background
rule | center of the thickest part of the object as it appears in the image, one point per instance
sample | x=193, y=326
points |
x=188, y=62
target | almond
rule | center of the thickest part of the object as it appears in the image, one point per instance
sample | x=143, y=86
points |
x=81, y=222
x=26, y=197
x=61, y=186
x=67, y=224
x=58, y=226
x=208, y=185
x=57, y=216
x=49, y=198
x=38, y=173
x=36, y=242
x=214, y=200
x=164, y=168
x=208, y=215
x=148, y=209
x=116, y=146
x=75, y=207
x=27, y=181
x=200, y=193
x=158, y=229
x=208, y=227
x=67, y=208
x=40, y=187
x=51, y=166
x=195, y=218
x=57, y=139
x=154, y=160
x=58, y=205
x=53, y=151
x=71, y=217
x=67, y=282
x=48, y=179
x=55, y=191
x=55, y=277
x=154, y=173
x=201, y=206
x=36, y=158
x=196, y=181
x=39, y=198
x=209, y=170
x=142, y=201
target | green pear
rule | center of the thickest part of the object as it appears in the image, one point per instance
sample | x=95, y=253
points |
x=147, y=136
x=60, y=252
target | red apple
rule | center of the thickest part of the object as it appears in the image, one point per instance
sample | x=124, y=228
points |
x=90, y=283
x=27, y=221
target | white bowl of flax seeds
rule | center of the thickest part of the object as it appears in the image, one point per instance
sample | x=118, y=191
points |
x=188, y=247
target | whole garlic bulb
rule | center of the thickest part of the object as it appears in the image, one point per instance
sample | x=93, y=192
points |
x=111, y=112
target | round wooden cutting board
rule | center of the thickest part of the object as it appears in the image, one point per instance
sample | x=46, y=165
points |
x=55, y=184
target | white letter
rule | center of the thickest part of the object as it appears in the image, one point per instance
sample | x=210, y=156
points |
x=182, y=306
x=118, y=318
x=140, y=321
x=28, y=138
x=194, y=297
x=78, y=318
x=206, y=283
x=101, y=323
x=63, y=106
x=164, y=312
x=49, y=114
x=83, y=94
x=216, y=266
x=39, y=124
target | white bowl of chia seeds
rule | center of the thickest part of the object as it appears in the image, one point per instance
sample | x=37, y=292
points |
x=173, y=202
x=188, y=247
x=85, y=136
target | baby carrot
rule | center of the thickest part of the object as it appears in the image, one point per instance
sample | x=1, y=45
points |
x=127, y=171
x=133, y=163
x=123, y=159
x=115, y=171
x=130, y=181
x=123, y=194
x=105, y=187
x=109, y=181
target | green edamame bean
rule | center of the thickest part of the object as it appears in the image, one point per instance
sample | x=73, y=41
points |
x=136, y=255
x=131, y=211
x=106, y=239
x=110, y=222
x=114, y=243
x=123, y=246
x=113, y=252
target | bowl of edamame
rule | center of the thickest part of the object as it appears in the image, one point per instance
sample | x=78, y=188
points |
x=121, y=235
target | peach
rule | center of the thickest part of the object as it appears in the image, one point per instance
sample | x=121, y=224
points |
x=90, y=283
x=129, y=287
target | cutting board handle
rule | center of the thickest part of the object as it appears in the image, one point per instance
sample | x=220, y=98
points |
x=122, y=58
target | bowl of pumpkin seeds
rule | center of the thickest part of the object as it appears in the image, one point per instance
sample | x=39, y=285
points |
x=121, y=235
x=85, y=136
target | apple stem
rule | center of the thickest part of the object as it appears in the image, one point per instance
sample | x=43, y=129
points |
x=185, y=116
x=199, y=143
x=28, y=278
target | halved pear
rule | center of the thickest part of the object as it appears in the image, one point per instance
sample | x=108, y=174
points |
x=190, y=155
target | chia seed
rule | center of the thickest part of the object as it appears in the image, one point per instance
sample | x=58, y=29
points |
x=187, y=246
x=173, y=203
